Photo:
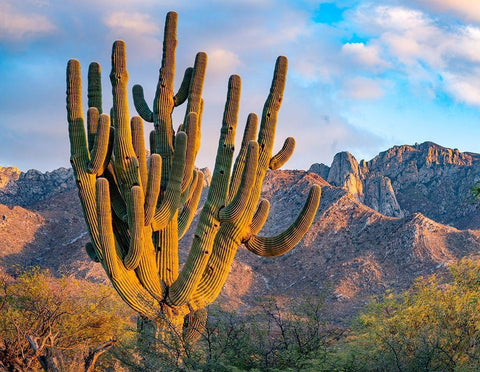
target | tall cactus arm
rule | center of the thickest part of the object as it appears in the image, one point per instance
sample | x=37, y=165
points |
x=235, y=208
x=282, y=243
x=260, y=216
x=209, y=224
x=185, y=218
x=102, y=146
x=169, y=204
x=283, y=155
x=80, y=156
x=140, y=104
x=124, y=281
x=249, y=134
x=92, y=125
x=136, y=220
x=191, y=129
x=138, y=141
x=182, y=93
x=194, y=103
x=163, y=103
x=153, y=187
x=95, y=86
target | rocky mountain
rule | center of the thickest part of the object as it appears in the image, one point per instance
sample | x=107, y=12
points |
x=381, y=223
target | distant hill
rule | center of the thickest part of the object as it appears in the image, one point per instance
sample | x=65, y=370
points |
x=381, y=223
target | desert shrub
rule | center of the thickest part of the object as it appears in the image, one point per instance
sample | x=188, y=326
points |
x=434, y=326
x=56, y=321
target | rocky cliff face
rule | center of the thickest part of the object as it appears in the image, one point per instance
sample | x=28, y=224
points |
x=27, y=188
x=355, y=248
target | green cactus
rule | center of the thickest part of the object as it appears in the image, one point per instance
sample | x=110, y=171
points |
x=137, y=209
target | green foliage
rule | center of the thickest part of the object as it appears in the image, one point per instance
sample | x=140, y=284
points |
x=63, y=318
x=274, y=338
x=435, y=326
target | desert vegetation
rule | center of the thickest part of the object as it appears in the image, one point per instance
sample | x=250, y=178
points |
x=59, y=324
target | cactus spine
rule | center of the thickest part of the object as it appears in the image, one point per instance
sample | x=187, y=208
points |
x=137, y=209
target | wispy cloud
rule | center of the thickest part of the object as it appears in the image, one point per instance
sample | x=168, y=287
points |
x=17, y=25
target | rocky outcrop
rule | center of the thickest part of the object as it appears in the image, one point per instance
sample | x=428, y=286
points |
x=321, y=169
x=28, y=188
x=344, y=172
x=379, y=195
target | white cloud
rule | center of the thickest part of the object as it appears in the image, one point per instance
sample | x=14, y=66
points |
x=466, y=9
x=466, y=88
x=367, y=55
x=363, y=89
x=137, y=23
x=222, y=61
x=17, y=25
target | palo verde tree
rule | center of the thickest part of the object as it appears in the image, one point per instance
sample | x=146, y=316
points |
x=137, y=208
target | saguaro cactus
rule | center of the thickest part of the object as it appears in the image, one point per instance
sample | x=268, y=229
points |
x=138, y=208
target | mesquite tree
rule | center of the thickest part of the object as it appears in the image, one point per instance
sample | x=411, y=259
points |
x=138, y=207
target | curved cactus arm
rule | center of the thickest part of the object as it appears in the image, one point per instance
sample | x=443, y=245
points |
x=191, y=129
x=102, y=147
x=208, y=225
x=138, y=142
x=282, y=243
x=95, y=86
x=185, y=218
x=136, y=220
x=153, y=187
x=196, y=322
x=91, y=252
x=260, y=216
x=125, y=281
x=283, y=155
x=235, y=208
x=140, y=104
x=182, y=93
x=92, y=124
x=168, y=207
x=249, y=134
x=116, y=200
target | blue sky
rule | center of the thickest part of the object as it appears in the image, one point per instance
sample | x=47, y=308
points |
x=363, y=75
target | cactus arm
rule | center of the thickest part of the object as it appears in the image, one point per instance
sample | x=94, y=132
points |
x=92, y=123
x=140, y=104
x=249, y=134
x=260, y=216
x=283, y=242
x=235, y=208
x=182, y=93
x=95, y=86
x=136, y=220
x=124, y=281
x=163, y=103
x=196, y=322
x=283, y=155
x=138, y=142
x=188, y=212
x=191, y=129
x=153, y=187
x=152, y=139
x=208, y=225
x=196, y=85
x=169, y=204
x=101, y=149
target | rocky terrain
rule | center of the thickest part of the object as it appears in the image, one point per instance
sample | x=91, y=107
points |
x=381, y=223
